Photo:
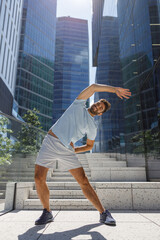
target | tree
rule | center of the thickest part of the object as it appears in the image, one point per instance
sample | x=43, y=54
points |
x=152, y=140
x=6, y=145
x=29, y=137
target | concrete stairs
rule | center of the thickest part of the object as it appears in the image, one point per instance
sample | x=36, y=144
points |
x=2, y=190
x=20, y=170
x=65, y=193
x=57, y=175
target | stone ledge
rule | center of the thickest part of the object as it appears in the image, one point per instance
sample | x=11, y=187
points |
x=114, y=195
x=133, y=196
x=118, y=174
x=9, y=198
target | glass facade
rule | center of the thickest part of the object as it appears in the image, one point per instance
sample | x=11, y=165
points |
x=139, y=32
x=109, y=72
x=10, y=23
x=135, y=57
x=35, y=73
x=96, y=27
x=71, y=63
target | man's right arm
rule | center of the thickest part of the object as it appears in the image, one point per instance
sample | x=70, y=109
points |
x=84, y=148
x=89, y=91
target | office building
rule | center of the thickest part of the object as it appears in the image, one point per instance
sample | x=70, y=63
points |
x=35, y=72
x=71, y=62
x=10, y=23
x=106, y=58
x=139, y=33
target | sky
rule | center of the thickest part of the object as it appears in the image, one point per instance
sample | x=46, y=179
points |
x=83, y=9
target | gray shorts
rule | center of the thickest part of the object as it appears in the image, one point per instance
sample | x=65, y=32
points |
x=51, y=150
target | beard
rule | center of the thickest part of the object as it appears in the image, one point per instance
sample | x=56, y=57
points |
x=93, y=109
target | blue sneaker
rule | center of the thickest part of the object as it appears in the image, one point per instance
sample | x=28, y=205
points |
x=46, y=217
x=107, y=218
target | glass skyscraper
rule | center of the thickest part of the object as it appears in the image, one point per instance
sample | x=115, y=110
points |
x=71, y=62
x=35, y=73
x=97, y=7
x=10, y=22
x=106, y=58
x=139, y=31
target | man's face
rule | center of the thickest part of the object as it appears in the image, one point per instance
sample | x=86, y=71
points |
x=97, y=108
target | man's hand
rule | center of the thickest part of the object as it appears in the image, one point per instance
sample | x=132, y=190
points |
x=72, y=145
x=84, y=148
x=89, y=91
x=122, y=93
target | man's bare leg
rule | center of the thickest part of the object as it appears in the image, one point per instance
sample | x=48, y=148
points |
x=87, y=189
x=41, y=186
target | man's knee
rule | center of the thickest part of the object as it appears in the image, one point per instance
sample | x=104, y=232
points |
x=40, y=174
x=38, y=178
x=83, y=181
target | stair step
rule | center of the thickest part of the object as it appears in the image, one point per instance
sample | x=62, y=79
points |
x=60, y=194
x=63, y=179
x=65, y=185
x=67, y=174
x=71, y=204
x=17, y=178
x=108, y=164
x=101, y=159
x=18, y=174
x=58, y=170
x=23, y=170
x=2, y=194
x=3, y=185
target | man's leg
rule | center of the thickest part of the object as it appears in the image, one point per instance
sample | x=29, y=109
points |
x=41, y=186
x=87, y=189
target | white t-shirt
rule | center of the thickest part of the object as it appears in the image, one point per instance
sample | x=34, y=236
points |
x=74, y=124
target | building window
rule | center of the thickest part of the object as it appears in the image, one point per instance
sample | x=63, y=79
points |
x=13, y=38
x=7, y=25
x=18, y=20
x=10, y=4
x=12, y=73
x=1, y=6
x=4, y=18
x=10, y=33
x=10, y=70
x=3, y=58
x=15, y=47
x=13, y=9
x=16, y=15
x=7, y=64
x=1, y=43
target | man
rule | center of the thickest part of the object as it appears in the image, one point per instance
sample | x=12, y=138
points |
x=58, y=144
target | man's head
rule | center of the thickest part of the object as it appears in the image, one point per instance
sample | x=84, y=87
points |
x=100, y=107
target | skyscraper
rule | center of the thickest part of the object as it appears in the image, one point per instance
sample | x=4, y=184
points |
x=71, y=62
x=10, y=22
x=139, y=53
x=106, y=58
x=35, y=73
x=96, y=27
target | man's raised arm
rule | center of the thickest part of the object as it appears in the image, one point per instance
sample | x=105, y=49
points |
x=89, y=91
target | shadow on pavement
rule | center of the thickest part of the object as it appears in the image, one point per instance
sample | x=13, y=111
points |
x=80, y=233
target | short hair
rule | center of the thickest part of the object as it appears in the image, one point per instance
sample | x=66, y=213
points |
x=106, y=103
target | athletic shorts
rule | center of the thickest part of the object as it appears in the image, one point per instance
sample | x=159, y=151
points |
x=53, y=150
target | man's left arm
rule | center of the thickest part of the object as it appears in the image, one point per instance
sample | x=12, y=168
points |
x=88, y=146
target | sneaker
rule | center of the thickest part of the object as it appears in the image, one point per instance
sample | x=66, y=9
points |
x=44, y=218
x=107, y=218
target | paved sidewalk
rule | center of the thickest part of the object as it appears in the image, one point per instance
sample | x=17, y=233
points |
x=80, y=225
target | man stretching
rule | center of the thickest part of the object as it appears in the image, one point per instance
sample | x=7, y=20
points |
x=58, y=144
